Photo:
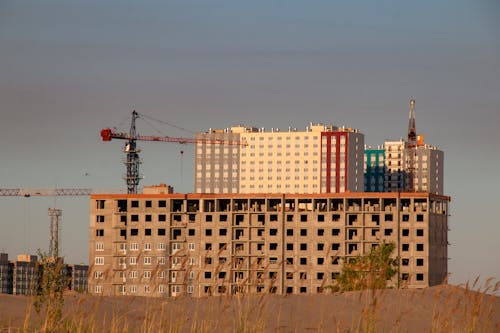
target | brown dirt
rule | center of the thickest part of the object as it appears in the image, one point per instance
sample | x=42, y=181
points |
x=438, y=309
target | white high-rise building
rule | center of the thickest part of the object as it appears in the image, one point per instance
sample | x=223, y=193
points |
x=321, y=159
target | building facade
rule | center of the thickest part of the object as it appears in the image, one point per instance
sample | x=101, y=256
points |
x=216, y=244
x=418, y=169
x=374, y=169
x=321, y=159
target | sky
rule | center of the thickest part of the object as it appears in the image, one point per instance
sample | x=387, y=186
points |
x=70, y=68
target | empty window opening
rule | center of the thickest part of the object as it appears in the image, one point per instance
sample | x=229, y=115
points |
x=352, y=248
x=122, y=205
x=352, y=233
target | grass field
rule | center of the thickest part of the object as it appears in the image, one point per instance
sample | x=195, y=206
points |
x=437, y=309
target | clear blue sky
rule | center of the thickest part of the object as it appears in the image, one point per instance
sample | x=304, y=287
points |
x=70, y=68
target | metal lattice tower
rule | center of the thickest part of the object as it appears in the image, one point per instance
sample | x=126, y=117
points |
x=55, y=221
x=132, y=161
x=411, y=145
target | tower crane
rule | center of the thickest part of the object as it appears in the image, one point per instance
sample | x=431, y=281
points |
x=54, y=213
x=132, y=161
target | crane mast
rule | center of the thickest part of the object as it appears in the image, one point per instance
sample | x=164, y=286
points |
x=132, y=161
x=411, y=145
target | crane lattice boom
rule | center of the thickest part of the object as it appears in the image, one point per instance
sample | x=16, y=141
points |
x=50, y=192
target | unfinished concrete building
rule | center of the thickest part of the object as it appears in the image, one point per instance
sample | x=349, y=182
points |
x=215, y=244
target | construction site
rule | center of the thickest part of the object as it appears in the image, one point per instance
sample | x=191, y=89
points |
x=271, y=212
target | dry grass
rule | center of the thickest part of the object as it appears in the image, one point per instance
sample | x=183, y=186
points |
x=468, y=308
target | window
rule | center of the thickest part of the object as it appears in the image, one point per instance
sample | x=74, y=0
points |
x=147, y=246
x=321, y=232
x=420, y=247
x=134, y=232
x=303, y=218
x=273, y=246
x=134, y=204
x=162, y=260
x=99, y=232
x=420, y=277
x=208, y=232
x=147, y=260
x=208, y=275
x=148, y=204
x=98, y=289
x=161, y=246
x=420, y=262
x=191, y=246
x=320, y=261
x=162, y=218
x=320, y=246
x=100, y=204
x=147, y=274
x=303, y=246
x=99, y=260
x=147, y=232
x=420, y=218
x=162, y=203
x=321, y=218
x=289, y=246
x=134, y=218
x=405, y=232
x=191, y=232
x=289, y=232
x=99, y=246
x=148, y=218
x=161, y=232
x=303, y=232
x=222, y=232
x=335, y=232
x=405, y=247
x=208, y=218
x=99, y=218
x=132, y=260
x=190, y=289
x=303, y=261
x=405, y=262
x=134, y=246
x=420, y=232
x=273, y=232
x=289, y=218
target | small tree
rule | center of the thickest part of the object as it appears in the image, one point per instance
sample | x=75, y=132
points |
x=371, y=271
x=49, y=290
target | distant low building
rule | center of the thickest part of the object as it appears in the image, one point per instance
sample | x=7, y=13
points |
x=20, y=277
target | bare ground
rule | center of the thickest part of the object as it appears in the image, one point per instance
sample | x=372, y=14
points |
x=436, y=309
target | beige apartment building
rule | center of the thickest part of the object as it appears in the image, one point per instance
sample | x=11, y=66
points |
x=424, y=162
x=216, y=244
x=321, y=159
